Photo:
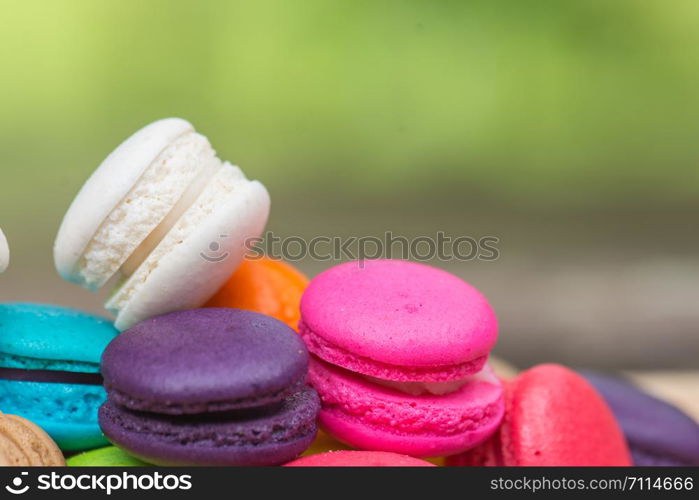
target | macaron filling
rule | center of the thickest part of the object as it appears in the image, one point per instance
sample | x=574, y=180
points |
x=225, y=182
x=166, y=183
x=168, y=407
x=25, y=369
x=61, y=391
x=435, y=388
x=267, y=436
x=197, y=430
x=8, y=360
x=188, y=198
x=50, y=376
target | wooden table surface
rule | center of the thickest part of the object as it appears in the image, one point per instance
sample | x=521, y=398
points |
x=680, y=388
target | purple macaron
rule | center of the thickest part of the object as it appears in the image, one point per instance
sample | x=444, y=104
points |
x=209, y=387
x=657, y=432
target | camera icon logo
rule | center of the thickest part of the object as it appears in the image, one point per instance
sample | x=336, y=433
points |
x=16, y=487
x=214, y=253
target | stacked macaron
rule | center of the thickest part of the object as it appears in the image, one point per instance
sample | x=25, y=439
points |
x=49, y=370
x=209, y=387
x=400, y=358
x=165, y=217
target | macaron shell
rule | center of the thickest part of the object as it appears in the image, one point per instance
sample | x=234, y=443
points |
x=4, y=253
x=23, y=443
x=42, y=333
x=400, y=373
x=46, y=337
x=553, y=417
x=224, y=358
x=657, y=432
x=324, y=443
x=107, y=187
x=162, y=194
x=184, y=278
x=264, y=285
x=358, y=459
x=400, y=314
x=371, y=417
x=109, y=456
x=10, y=452
x=67, y=412
x=75, y=437
x=266, y=437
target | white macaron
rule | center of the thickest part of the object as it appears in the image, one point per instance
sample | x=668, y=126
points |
x=166, y=216
x=4, y=253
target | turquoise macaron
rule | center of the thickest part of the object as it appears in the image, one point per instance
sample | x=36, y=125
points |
x=49, y=370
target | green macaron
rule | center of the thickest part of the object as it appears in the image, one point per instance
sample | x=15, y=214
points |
x=109, y=456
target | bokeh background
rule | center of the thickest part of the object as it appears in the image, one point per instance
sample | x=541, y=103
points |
x=569, y=130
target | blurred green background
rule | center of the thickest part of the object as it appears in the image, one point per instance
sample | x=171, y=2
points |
x=570, y=130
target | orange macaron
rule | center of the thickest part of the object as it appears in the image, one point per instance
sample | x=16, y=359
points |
x=264, y=285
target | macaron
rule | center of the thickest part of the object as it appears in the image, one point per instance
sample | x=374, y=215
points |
x=657, y=432
x=359, y=459
x=24, y=444
x=163, y=216
x=108, y=456
x=553, y=417
x=4, y=253
x=399, y=358
x=49, y=370
x=324, y=443
x=264, y=285
x=210, y=386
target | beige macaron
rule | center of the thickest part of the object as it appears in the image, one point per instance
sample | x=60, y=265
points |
x=24, y=444
x=165, y=218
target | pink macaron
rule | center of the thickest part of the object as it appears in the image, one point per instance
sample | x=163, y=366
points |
x=358, y=459
x=399, y=357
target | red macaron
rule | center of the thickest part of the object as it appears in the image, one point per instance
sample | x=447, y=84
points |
x=553, y=417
